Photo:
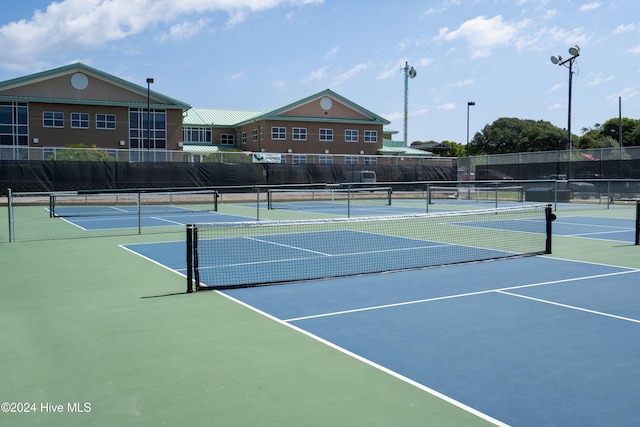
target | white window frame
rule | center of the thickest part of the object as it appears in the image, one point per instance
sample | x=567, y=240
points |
x=325, y=159
x=108, y=122
x=299, y=159
x=53, y=119
x=278, y=133
x=326, y=135
x=351, y=135
x=299, y=134
x=371, y=136
x=82, y=120
x=351, y=160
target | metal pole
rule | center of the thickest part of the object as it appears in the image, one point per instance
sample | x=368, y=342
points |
x=406, y=102
x=569, y=117
x=10, y=206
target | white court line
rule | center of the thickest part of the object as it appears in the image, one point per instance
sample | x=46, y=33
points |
x=399, y=304
x=375, y=365
x=572, y=307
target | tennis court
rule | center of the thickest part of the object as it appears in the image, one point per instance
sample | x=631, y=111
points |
x=526, y=341
x=535, y=340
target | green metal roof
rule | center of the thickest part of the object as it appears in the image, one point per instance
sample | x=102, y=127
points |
x=160, y=100
x=404, y=151
x=216, y=117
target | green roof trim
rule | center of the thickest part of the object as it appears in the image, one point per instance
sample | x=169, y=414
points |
x=164, y=101
x=276, y=114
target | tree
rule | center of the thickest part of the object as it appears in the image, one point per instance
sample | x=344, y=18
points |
x=81, y=153
x=630, y=130
x=512, y=135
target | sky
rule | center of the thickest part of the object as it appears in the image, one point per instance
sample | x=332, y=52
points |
x=263, y=54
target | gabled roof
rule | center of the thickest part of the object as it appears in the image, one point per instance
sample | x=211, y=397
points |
x=280, y=113
x=216, y=117
x=159, y=100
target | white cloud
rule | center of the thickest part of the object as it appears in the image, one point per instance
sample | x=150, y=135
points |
x=598, y=80
x=556, y=106
x=461, y=83
x=239, y=75
x=620, y=29
x=317, y=74
x=447, y=106
x=482, y=34
x=589, y=6
x=68, y=26
x=556, y=87
x=332, y=53
x=351, y=73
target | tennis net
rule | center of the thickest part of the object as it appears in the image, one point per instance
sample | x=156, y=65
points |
x=226, y=255
x=323, y=198
x=132, y=202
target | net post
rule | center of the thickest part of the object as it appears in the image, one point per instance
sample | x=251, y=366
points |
x=550, y=217
x=637, y=242
x=216, y=194
x=269, y=201
x=52, y=205
x=139, y=202
x=196, y=263
x=189, y=258
x=389, y=192
x=10, y=213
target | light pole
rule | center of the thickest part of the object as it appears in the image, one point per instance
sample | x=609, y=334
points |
x=574, y=52
x=149, y=81
x=469, y=104
x=408, y=73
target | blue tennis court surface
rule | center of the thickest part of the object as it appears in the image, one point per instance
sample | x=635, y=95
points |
x=596, y=228
x=528, y=342
x=531, y=341
x=111, y=218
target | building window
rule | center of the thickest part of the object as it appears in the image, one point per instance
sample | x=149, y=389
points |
x=325, y=160
x=14, y=130
x=350, y=135
x=147, y=134
x=196, y=134
x=351, y=160
x=106, y=121
x=254, y=135
x=298, y=159
x=227, y=139
x=261, y=133
x=53, y=119
x=278, y=133
x=326, y=135
x=244, y=137
x=370, y=136
x=80, y=120
x=370, y=161
x=299, y=134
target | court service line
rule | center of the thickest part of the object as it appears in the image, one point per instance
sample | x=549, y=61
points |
x=572, y=307
x=467, y=294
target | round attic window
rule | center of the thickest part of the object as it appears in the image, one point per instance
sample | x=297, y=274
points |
x=79, y=81
x=326, y=103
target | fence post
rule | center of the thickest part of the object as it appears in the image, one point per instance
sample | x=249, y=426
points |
x=10, y=215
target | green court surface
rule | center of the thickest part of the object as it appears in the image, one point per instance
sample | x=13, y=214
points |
x=88, y=326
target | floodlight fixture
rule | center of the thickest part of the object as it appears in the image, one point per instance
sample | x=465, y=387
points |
x=574, y=51
x=408, y=73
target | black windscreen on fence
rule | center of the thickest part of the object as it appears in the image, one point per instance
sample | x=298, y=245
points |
x=75, y=175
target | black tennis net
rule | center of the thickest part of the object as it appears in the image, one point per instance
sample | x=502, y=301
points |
x=131, y=202
x=240, y=254
x=323, y=198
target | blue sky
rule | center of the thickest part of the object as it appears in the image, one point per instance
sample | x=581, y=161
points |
x=262, y=54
